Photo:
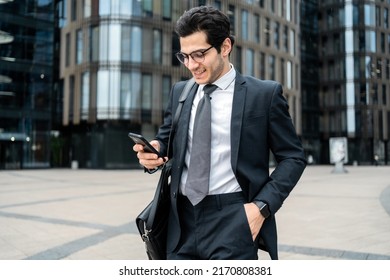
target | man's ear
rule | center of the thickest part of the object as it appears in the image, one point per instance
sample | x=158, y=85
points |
x=226, y=47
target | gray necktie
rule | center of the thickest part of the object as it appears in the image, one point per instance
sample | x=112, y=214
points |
x=197, y=186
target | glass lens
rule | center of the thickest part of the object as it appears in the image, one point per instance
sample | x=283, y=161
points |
x=181, y=57
x=197, y=56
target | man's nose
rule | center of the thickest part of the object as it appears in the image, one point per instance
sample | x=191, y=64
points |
x=192, y=64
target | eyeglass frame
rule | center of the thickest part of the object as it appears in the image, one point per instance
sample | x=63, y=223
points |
x=187, y=56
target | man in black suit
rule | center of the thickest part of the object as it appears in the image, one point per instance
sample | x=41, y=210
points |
x=249, y=119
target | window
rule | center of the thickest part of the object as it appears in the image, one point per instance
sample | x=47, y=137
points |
x=84, y=102
x=379, y=68
x=71, y=97
x=285, y=39
x=296, y=11
x=148, y=7
x=261, y=3
x=292, y=42
x=369, y=15
x=104, y=7
x=288, y=10
x=125, y=42
x=262, y=65
x=86, y=8
x=276, y=35
x=62, y=13
x=256, y=24
x=124, y=7
x=267, y=32
x=73, y=10
x=231, y=18
x=244, y=26
x=374, y=91
x=103, y=42
x=337, y=43
x=361, y=43
x=94, y=43
x=67, y=49
x=108, y=94
x=157, y=46
x=167, y=9
x=238, y=63
x=356, y=67
x=114, y=45
x=175, y=49
x=330, y=17
x=218, y=4
x=383, y=43
x=130, y=94
x=368, y=68
x=331, y=73
x=388, y=43
x=136, y=44
x=387, y=69
x=79, y=46
x=249, y=62
x=371, y=41
x=356, y=14
x=110, y=42
x=147, y=91
x=378, y=16
x=271, y=67
x=166, y=89
x=289, y=75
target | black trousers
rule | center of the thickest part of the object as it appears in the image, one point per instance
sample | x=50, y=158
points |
x=216, y=228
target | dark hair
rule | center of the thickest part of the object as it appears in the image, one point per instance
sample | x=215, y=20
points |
x=213, y=22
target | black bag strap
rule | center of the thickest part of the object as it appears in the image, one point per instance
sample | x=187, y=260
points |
x=166, y=170
x=182, y=98
x=161, y=193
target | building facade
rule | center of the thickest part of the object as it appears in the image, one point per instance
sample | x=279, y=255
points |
x=71, y=95
x=118, y=65
x=27, y=83
x=310, y=62
x=354, y=88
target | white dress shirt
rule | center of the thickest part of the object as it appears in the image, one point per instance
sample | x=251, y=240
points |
x=222, y=179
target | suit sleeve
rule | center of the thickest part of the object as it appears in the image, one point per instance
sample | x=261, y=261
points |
x=287, y=150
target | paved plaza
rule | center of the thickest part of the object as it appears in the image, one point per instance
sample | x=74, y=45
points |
x=55, y=214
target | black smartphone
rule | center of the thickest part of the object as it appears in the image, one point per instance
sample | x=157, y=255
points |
x=139, y=139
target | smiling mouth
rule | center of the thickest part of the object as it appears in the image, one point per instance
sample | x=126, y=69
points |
x=199, y=72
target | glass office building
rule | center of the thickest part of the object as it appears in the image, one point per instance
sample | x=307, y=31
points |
x=117, y=66
x=354, y=91
x=27, y=79
x=310, y=77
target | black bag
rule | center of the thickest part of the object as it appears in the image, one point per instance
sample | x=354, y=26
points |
x=152, y=222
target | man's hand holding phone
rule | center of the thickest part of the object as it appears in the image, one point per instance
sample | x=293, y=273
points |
x=147, y=152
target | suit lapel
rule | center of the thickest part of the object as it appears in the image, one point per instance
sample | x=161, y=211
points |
x=237, y=115
x=183, y=124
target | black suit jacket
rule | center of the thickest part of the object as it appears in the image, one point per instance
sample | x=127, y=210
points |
x=260, y=123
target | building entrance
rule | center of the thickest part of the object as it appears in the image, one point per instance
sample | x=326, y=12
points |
x=11, y=155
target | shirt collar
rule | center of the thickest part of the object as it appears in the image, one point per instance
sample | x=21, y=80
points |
x=225, y=81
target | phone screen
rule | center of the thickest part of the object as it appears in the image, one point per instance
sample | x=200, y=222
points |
x=139, y=139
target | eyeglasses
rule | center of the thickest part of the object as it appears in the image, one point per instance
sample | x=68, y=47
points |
x=197, y=56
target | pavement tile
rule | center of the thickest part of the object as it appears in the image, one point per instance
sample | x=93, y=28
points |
x=89, y=214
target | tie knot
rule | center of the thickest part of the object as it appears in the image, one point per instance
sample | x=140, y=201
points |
x=209, y=88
